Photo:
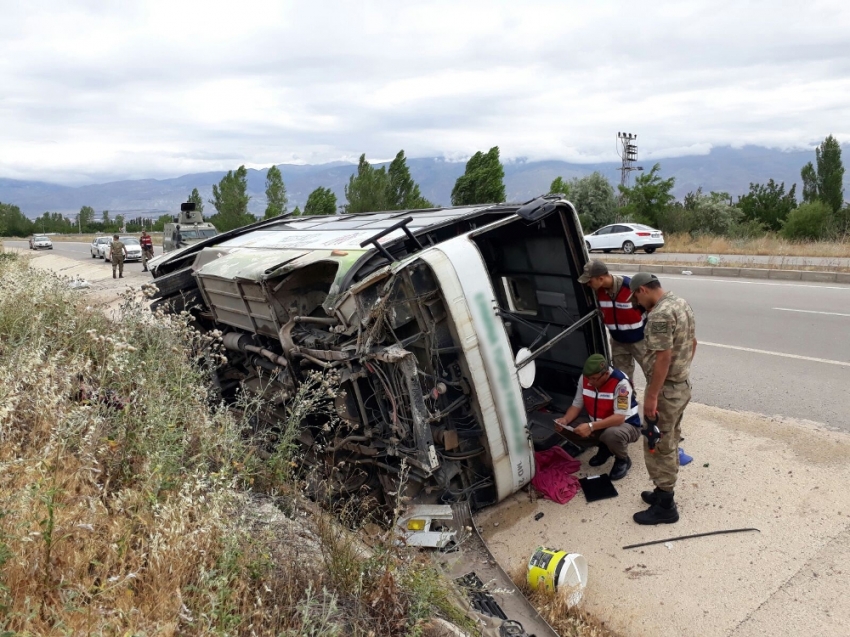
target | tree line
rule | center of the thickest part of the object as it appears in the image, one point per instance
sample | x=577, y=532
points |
x=822, y=213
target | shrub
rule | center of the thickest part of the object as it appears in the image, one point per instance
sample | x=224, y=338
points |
x=672, y=219
x=593, y=197
x=129, y=498
x=811, y=221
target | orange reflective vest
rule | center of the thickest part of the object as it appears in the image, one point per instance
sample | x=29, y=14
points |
x=623, y=320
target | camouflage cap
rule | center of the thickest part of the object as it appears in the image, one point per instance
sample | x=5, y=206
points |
x=594, y=364
x=641, y=278
x=592, y=269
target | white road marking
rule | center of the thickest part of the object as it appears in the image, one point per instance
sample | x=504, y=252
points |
x=788, y=309
x=711, y=279
x=782, y=354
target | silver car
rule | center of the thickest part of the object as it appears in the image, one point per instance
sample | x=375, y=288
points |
x=134, y=249
x=40, y=242
x=99, y=246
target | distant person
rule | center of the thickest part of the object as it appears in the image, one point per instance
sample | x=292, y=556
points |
x=117, y=254
x=670, y=347
x=624, y=321
x=177, y=238
x=147, y=249
x=604, y=414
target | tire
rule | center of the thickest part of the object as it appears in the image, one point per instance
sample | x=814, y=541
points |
x=93, y=256
x=629, y=247
x=587, y=243
x=649, y=250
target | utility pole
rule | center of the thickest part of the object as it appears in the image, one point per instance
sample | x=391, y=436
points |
x=628, y=152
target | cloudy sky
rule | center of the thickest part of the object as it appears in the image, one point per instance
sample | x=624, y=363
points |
x=97, y=90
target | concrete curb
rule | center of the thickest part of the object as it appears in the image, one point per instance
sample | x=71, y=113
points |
x=744, y=273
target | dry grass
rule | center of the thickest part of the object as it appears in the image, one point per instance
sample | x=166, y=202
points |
x=775, y=263
x=566, y=620
x=768, y=245
x=130, y=505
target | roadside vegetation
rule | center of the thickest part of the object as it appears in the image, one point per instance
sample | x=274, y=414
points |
x=568, y=621
x=131, y=503
x=771, y=217
x=767, y=217
x=767, y=245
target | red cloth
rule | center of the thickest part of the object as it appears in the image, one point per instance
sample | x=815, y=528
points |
x=553, y=478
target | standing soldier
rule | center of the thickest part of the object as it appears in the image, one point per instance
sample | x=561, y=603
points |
x=624, y=321
x=177, y=237
x=670, y=346
x=117, y=253
x=147, y=250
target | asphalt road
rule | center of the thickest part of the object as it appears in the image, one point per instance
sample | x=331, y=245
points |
x=70, y=249
x=769, y=347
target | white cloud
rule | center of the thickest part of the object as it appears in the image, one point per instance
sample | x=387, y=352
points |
x=90, y=90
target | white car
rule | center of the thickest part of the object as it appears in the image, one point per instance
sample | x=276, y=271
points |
x=40, y=242
x=627, y=237
x=134, y=249
x=99, y=246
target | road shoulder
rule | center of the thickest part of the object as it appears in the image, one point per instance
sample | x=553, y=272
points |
x=786, y=478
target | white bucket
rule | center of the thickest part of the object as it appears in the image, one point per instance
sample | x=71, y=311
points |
x=573, y=577
x=558, y=571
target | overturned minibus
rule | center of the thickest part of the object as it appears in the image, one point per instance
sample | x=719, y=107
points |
x=453, y=335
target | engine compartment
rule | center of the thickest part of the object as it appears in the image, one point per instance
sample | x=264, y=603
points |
x=417, y=330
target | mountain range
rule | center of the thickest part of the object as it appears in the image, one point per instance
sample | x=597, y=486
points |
x=725, y=169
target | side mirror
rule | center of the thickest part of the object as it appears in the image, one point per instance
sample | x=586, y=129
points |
x=525, y=371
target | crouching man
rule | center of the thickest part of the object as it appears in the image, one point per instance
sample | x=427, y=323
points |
x=604, y=414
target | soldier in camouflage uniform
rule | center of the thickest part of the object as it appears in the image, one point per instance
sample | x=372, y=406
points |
x=117, y=254
x=670, y=346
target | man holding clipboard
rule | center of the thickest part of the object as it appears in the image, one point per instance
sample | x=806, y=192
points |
x=604, y=414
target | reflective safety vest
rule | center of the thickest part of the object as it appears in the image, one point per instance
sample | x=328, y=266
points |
x=623, y=320
x=599, y=403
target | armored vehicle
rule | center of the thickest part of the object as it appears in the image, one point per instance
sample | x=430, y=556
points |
x=191, y=227
x=455, y=336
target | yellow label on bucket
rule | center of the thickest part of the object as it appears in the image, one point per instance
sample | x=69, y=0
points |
x=544, y=567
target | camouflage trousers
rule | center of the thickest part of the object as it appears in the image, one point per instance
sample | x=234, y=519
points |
x=625, y=355
x=119, y=265
x=663, y=465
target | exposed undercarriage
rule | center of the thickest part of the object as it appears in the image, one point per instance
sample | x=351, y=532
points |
x=414, y=332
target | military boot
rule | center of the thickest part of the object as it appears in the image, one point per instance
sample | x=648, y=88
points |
x=601, y=457
x=621, y=468
x=650, y=497
x=663, y=511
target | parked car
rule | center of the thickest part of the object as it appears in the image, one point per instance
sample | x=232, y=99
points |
x=99, y=246
x=134, y=249
x=40, y=242
x=627, y=237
